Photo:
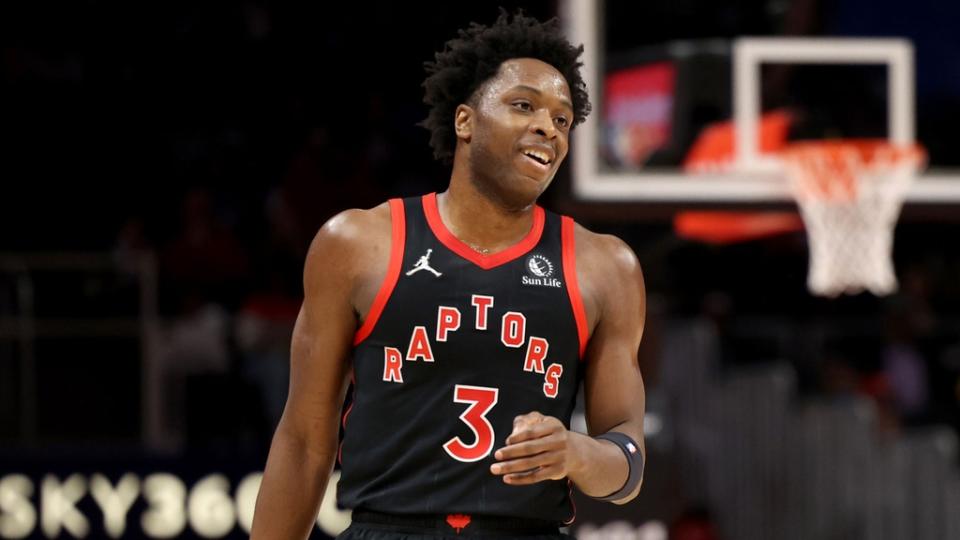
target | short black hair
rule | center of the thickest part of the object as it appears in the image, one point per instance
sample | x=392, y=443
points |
x=470, y=59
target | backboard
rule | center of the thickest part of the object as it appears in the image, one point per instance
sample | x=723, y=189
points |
x=659, y=88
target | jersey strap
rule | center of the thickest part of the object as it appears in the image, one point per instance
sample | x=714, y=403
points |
x=397, y=238
x=570, y=275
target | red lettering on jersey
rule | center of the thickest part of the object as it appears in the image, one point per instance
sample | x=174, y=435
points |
x=551, y=385
x=482, y=304
x=513, y=329
x=392, y=362
x=481, y=399
x=536, y=354
x=448, y=320
x=420, y=345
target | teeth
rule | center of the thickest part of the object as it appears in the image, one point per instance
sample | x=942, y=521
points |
x=539, y=156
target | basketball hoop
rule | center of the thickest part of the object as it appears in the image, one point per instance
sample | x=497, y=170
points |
x=850, y=193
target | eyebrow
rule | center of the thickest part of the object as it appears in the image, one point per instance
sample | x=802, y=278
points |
x=536, y=91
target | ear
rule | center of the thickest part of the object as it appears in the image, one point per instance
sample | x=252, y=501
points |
x=463, y=122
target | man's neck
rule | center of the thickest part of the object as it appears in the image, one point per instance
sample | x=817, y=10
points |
x=479, y=219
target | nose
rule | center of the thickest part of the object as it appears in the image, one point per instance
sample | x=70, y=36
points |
x=542, y=124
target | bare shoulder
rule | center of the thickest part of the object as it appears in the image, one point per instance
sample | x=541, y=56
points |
x=606, y=250
x=354, y=226
x=608, y=272
x=350, y=249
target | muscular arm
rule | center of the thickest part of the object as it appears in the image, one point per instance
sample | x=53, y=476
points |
x=304, y=446
x=613, y=387
x=540, y=448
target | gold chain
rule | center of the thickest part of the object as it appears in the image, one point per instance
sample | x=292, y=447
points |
x=478, y=249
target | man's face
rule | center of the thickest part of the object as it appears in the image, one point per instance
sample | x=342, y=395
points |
x=519, y=129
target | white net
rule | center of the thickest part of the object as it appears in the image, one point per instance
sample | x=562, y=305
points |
x=850, y=194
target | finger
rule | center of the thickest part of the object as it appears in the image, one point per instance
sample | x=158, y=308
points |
x=530, y=432
x=527, y=448
x=532, y=477
x=531, y=417
x=525, y=421
x=526, y=464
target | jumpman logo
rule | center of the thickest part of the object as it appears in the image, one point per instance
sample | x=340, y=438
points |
x=424, y=264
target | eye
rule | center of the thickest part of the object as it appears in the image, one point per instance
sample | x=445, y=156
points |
x=562, y=121
x=523, y=106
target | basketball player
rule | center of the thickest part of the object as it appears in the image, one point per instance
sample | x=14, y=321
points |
x=466, y=321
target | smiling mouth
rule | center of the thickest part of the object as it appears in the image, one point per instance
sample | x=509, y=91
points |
x=539, y=157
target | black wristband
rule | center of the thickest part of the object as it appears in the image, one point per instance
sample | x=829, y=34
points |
x=634, y=456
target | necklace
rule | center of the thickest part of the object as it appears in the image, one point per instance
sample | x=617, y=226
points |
x=478, y=249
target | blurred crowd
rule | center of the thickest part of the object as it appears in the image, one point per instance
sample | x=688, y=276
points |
x=218, y=137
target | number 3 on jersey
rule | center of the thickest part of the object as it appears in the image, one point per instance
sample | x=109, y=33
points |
x=481, y=400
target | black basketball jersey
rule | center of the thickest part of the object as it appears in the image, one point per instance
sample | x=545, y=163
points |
x=455, y=346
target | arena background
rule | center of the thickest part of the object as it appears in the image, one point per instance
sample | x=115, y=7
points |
x=165, y=167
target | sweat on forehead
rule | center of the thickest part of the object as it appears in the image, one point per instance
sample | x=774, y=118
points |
x=525, y=73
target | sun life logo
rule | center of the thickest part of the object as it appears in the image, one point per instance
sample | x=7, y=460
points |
x=541, y=269
x=540, y=266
